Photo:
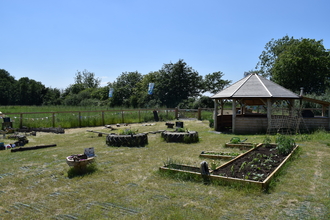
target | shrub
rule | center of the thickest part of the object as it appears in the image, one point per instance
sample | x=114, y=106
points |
x=235, y=140
x=211, y=123
x=285, y=144
x=267, y=141
x=127, y=132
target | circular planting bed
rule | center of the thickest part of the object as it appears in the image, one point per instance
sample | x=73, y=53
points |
x=185, y=137
x=134, y=140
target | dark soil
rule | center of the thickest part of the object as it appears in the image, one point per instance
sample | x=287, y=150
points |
x=256, y=165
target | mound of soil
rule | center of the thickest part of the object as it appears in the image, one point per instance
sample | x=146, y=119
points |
x=255, y=165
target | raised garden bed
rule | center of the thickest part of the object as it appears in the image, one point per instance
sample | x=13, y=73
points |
x=256, y=167
x=133, y=140
x=237, y=142
x=183, y=137
x=218, y=155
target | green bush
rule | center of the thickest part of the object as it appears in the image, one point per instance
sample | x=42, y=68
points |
x=235, y=140
x=211, y=123
x=285, y=144
x=127, y=132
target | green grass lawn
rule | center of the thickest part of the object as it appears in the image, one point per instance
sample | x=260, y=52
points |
x=126, y=184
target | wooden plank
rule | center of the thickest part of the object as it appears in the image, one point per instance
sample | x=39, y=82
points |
x=32, y=148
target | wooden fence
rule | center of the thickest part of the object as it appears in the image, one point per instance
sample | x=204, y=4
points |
x=78, y=118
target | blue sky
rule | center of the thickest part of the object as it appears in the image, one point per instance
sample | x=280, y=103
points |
x=48, y=41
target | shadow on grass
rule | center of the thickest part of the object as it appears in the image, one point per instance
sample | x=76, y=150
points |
x=90, y=168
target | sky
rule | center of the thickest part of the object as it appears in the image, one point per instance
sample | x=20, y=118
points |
x=49, y=41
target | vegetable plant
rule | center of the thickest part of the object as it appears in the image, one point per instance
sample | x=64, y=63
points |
x=285, y=144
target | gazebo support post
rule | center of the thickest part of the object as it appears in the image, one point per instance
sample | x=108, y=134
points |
x=329, y=116
x=221, y=106
x=291, y=107
x=234, y=116
x=269, y=112
x=215, y=115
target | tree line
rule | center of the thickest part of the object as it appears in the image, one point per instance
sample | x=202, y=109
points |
x=175, y=84
x=292, y=63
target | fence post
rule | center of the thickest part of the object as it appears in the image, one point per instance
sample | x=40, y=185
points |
x=122, y=116
x=139, y=115
x=79, y=122
x=53, y=120
x=21, y=120
x=199, y=114
x=103, y=118
x=176, y=113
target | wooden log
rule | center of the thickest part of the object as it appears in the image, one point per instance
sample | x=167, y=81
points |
x=98, y=132
x=32, y=148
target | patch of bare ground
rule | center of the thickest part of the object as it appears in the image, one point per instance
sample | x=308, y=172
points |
x=320, y=156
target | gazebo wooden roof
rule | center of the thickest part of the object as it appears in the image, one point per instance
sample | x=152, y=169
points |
x=253, y=88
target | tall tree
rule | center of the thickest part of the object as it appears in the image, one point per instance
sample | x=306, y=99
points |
x=52, y=96
x=214, y=83
x=177, y=82
x=29, y=92
x=269, y=56
x=303, y=64
x=7, y=85
x=125, y=88
x=87, y=79
x=143, y=98
x=299, y=63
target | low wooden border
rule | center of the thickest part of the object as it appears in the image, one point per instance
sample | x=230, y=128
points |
x=181, y=170
x=214, y=156
x=240, y=145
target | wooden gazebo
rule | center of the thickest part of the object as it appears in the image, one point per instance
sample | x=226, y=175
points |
x=254, y=99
